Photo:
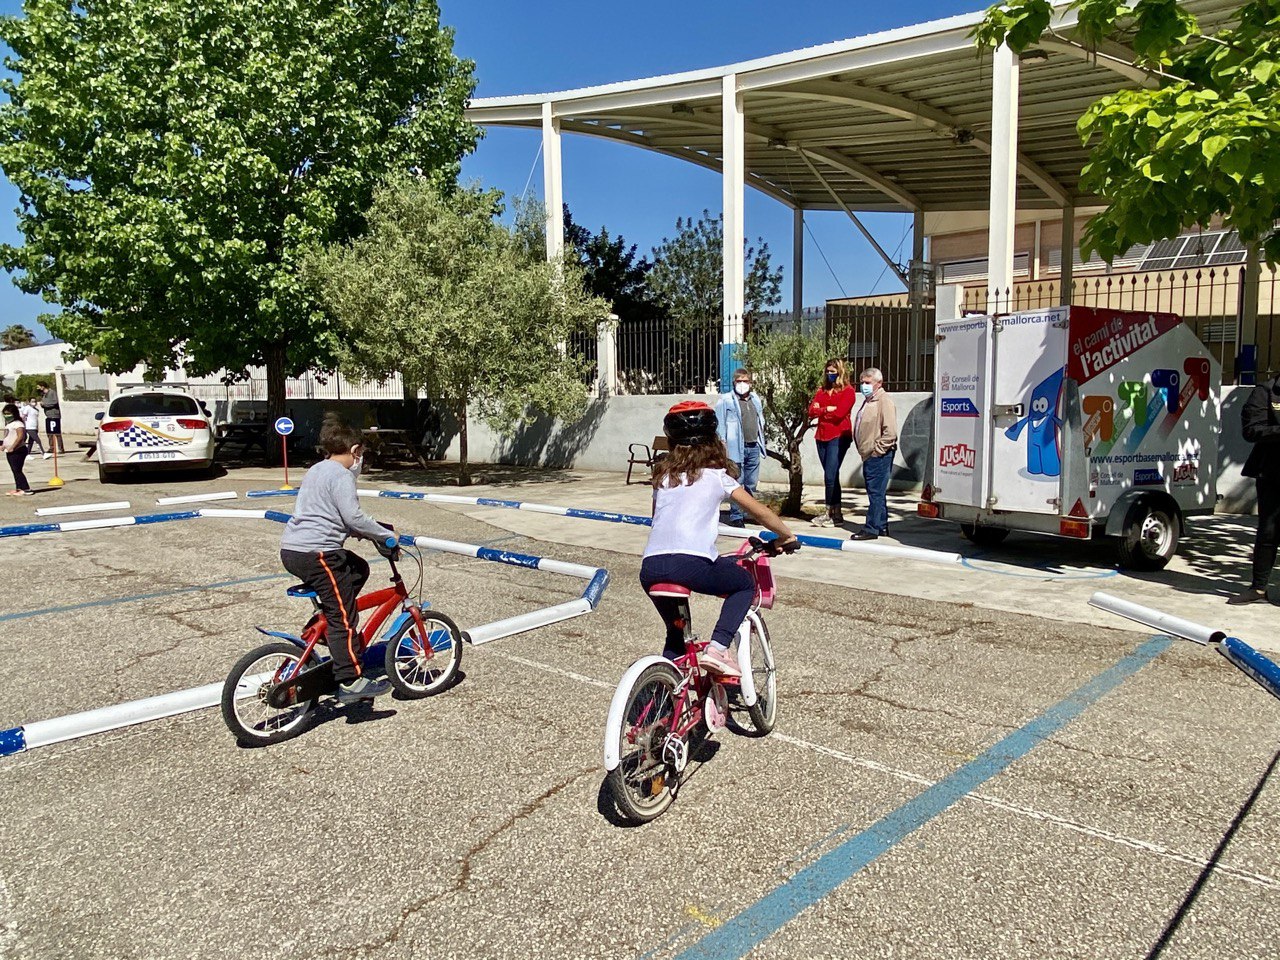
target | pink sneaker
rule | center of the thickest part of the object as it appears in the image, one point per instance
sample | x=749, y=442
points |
x=717, y=659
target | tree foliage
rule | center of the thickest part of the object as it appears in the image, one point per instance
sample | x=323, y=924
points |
x=442, y=293
x=786, y=368
x=1204, y=142
x=16, y=336
x=612, y=271
x=687, y=278
x=175, y=157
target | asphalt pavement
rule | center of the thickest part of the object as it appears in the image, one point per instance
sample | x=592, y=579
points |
x=969, y=761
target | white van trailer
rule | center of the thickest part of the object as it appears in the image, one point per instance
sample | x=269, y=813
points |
x=1075, y=422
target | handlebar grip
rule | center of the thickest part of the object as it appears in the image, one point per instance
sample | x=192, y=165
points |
x=391, y=542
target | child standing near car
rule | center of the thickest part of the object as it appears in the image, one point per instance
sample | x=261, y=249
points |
x=689, y=484
x=312, y=549
x=15, y=450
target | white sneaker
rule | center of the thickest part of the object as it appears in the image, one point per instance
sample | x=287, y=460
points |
x=720, y=661
x=48, y=456
x=821, y=520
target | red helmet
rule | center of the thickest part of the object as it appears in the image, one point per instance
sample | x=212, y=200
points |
x=689, y=423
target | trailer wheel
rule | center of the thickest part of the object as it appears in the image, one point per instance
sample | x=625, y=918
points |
x=1150, y=536
x=983, y=536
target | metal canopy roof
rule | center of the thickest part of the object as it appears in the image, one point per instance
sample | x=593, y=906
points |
x=897, y=121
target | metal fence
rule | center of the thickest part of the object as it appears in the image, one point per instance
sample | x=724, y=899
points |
x=656, y=356
x=1210, y=300
x=85, y=385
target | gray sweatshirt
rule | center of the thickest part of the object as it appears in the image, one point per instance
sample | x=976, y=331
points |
x=327, y=512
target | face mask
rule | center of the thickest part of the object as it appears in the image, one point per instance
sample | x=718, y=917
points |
x=831, y=378
x=741, y=389
x=867, y=389
x=355, y=467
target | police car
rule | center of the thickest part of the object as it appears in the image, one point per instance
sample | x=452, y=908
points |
x=155, y=426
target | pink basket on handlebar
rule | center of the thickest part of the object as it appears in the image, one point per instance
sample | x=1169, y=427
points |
x=760, y=569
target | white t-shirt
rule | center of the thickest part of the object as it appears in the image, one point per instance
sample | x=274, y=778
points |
x=686, y=518
x=11, y=431
x=30, y=414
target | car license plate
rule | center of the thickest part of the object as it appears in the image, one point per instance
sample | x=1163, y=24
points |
x=158, y=455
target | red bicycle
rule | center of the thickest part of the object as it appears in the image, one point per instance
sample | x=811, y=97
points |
x=659, y=703
x=270, y=693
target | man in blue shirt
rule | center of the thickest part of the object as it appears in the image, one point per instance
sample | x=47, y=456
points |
x=740, y=424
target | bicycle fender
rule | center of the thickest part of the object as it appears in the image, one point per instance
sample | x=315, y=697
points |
x=296, y=641
x=748, y=682
x=613, y=726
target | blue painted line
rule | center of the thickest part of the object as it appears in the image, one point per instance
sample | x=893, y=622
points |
x=25, y=529
x=271, y=493
x=608, y=517
x=137, y=597
x=488, y=502
x=743, y=933
x=277, y=516
x=1258, y=668
x=401, y=495
x=595, y=589
x=514, y=559
x=165, y=517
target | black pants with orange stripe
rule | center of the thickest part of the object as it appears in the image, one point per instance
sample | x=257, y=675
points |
x=337, y=577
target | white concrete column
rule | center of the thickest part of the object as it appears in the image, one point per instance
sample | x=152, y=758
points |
x=949, y=298
x=607, y=356
x=1004, y=171
x=734, y=199
x=552, y=183
x=797, y=262
x=1068, y=257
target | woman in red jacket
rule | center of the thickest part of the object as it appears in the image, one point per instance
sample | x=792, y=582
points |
x=832, y=403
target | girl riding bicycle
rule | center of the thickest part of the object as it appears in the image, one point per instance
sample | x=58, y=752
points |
x=689, y=484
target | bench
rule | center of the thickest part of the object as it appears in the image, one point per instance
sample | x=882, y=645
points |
x=90, y=447
x=652, y=452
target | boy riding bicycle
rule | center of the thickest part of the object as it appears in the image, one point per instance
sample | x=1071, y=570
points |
x=327, y=512
x=689, y=484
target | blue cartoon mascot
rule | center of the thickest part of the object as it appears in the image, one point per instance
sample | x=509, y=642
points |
x=1042, y=437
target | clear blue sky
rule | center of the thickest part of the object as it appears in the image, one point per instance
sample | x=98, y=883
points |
x=527, y=47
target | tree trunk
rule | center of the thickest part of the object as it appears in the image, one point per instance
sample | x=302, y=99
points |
x=795, y=482
x=275, y=380
x=464, y=469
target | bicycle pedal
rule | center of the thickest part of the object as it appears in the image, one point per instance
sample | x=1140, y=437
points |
x=715, y=709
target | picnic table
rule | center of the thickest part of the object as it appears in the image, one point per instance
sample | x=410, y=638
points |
x=387, y=443
x=246, y=435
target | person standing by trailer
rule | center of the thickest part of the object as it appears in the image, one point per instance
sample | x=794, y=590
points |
x=875, y=432
x=740, y=425
x=831, y=405
x=1260, y=420
x=30, y=415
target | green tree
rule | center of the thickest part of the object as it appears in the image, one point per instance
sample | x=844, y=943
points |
x=15, y=337
x=612, y=271
x=687, y=277
x=786, y=367
x=175, y=157
x=460, y=306
x=1203, y=142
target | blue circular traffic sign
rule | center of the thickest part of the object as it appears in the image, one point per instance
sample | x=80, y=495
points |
x=284, y=426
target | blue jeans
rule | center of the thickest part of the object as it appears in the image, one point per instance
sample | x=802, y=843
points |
x=875, y=472
x=831, y=456
x=750, y=467
x=720, y=577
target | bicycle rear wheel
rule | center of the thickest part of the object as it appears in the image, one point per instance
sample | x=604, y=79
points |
x=245, y=709
x=424, y=660
x=764, y=674
x=641, y=783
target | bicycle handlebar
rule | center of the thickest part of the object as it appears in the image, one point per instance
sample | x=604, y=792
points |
x=772, y=548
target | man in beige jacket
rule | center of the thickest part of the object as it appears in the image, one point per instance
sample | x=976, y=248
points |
x=875, y=434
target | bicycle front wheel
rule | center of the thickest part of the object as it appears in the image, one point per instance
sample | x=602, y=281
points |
x=422, y=660
x=641, y=782
x=245, y=709
x=764, y=676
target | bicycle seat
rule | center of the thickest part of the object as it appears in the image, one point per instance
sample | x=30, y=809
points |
x=301, y=590
x=668, y=590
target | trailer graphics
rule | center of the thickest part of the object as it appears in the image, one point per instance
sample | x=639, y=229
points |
x=1073, y=421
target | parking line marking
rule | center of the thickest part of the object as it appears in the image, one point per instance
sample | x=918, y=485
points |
x=743, y=933
x=138, y=597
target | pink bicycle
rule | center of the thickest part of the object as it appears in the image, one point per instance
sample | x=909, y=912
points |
x=659, y=704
